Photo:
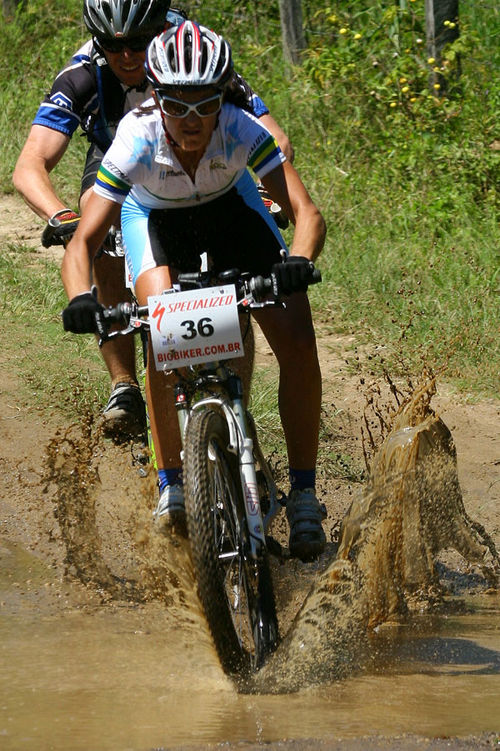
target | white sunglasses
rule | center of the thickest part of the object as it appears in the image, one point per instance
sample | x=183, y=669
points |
x=175, y=108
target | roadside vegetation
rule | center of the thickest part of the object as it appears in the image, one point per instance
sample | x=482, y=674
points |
x=406, y=176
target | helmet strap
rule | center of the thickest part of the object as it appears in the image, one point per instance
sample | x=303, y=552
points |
x=170, y=140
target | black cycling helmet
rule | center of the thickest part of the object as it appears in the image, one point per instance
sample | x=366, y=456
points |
x=108, y=19
x=188, y=56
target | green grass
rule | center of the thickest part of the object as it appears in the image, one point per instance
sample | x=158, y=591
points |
x=60, y=372
x=409, y=189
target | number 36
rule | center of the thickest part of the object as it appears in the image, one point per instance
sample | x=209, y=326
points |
x=203, y=328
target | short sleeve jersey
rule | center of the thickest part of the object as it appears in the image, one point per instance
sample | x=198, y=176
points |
x=87, y=93
x=141, y=160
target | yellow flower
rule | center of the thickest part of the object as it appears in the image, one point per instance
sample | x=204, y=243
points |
x=343, y=31
x=405, y=89
x=402, y=79
x=357, y=36
x=437, y=85
x=413, y=99
x=393, y=104
x=431, y=60
x=452, y=25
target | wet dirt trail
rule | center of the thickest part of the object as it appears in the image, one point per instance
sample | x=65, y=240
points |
x=103, y=645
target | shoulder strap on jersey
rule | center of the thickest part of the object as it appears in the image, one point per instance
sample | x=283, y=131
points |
x=111, y=97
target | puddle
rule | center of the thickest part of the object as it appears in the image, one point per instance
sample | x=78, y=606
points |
x=127, y=676
x=378, y=648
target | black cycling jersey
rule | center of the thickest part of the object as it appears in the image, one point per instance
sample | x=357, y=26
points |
x=87, y=93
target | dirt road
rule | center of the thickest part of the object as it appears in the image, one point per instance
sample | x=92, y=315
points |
x=74, y=525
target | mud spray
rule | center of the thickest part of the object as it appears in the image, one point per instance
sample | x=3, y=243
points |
x=411, y=508
x=104, y=513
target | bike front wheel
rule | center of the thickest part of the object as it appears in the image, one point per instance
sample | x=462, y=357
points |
x=235, y=591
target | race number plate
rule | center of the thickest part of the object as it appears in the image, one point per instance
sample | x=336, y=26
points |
x=193, y=327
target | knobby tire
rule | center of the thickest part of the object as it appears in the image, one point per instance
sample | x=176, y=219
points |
x=236, y=593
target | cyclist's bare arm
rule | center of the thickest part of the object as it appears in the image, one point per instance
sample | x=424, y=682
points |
x=99, y=215
x=43, y=149
x=281, y=137
x=286, y=188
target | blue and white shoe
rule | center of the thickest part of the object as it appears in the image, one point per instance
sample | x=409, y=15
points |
x=171, y=510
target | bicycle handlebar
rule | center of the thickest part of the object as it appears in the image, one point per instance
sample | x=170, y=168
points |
x=249, y=289
x=260, y=285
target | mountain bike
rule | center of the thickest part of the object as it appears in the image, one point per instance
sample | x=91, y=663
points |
x=230, y=494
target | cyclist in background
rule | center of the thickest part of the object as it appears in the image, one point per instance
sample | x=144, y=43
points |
x=104, y=80
x=179, y=167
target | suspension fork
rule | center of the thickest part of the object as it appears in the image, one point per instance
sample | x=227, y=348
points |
x=182, y=407
x=240, y=444
x=244, y=450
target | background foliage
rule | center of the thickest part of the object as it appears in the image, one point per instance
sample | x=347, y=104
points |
x=406, y=176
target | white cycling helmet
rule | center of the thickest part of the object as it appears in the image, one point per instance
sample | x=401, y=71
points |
x=188, y=55
x=124, y=18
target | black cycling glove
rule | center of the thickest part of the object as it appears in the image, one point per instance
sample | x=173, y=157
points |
x=60, y=228
x=294, y=275
x=84, y=315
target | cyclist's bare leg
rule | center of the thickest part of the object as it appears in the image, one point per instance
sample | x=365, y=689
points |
x=290, y=334
x=161, y=407
x=119, y=353
x=109, y=278
x=162, y=416
x=243, y=366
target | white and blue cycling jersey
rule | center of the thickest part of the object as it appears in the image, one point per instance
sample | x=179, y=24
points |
x=168, y=218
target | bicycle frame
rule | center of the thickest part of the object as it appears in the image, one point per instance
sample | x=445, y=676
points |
x=202, y=377
x=241, y=444
x=227, y=530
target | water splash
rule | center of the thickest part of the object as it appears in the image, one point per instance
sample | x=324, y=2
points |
x=409, y=511
x=104, y=513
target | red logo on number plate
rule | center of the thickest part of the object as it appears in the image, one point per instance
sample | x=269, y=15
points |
x=158, y=313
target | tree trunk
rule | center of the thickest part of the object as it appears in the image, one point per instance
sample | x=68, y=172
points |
x=439, y=35
x=292, y=31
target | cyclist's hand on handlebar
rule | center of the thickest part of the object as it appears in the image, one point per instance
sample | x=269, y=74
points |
x=84, y=315
x=294, y=274
x=60, y=228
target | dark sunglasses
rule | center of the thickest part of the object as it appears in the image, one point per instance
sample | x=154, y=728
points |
x=175, y=108
x=134, y=44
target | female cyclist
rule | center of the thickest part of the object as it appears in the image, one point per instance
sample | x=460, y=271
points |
x=177, y=169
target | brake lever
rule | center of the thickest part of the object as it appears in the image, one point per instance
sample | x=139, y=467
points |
x=131, y=329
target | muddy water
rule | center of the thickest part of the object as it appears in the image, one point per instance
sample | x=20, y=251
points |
x=81, y=673
x=107, y=648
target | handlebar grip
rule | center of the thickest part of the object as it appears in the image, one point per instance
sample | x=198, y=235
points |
x=120, y=314
x=316, y=277
x=260, y=285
